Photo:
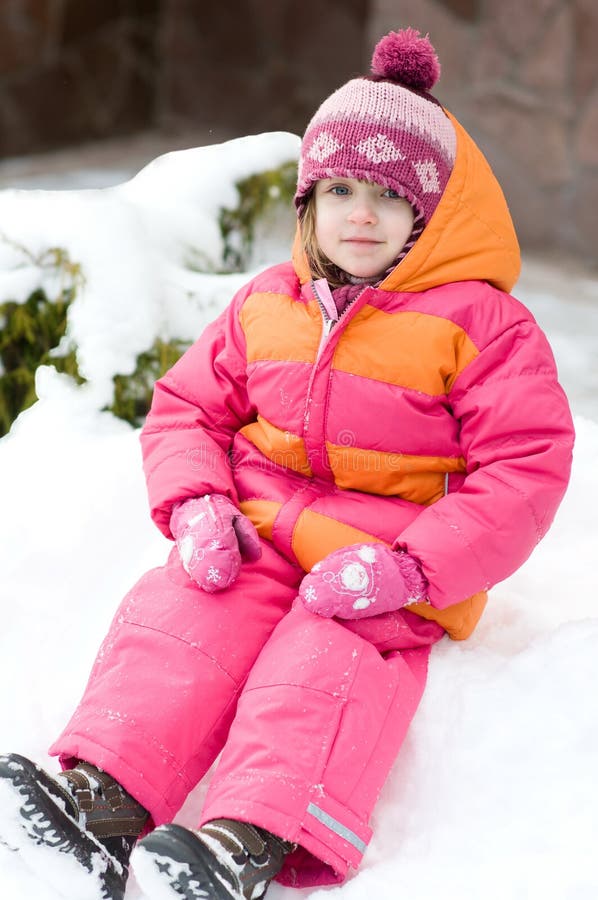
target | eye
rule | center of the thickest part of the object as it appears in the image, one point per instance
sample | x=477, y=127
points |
x=339, y=190
x=392, y=195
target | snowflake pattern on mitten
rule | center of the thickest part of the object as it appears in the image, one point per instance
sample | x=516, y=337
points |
x=362, y=580
x=213, y=538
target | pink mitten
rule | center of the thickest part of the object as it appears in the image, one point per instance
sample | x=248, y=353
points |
x=362, y=580
x=213, y=537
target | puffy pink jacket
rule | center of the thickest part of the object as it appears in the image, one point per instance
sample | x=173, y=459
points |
x=429, y=416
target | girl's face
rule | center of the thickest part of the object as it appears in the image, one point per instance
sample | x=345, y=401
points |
x=361, y=227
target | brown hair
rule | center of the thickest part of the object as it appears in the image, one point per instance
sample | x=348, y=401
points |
x=319, y=264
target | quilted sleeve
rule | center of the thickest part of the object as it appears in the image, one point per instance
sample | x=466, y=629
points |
x=517, y=437
x=197, y=407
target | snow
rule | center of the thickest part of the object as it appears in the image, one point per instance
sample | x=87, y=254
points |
x=494, y=794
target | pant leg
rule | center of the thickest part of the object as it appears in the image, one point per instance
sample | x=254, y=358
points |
x=163, y=690
x=317, y=729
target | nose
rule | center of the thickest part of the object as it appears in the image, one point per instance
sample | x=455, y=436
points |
x=362, y=211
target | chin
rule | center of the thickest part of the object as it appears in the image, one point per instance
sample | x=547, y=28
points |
x=365, y=273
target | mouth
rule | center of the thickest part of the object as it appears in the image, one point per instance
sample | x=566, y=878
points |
x=362, y=240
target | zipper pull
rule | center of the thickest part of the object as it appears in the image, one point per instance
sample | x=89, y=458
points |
x=325, y=298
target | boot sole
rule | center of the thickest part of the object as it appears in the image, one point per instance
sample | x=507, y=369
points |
x=172, y=863
x=34, y=823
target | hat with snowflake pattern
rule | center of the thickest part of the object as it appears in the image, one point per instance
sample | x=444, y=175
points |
x=385, y=128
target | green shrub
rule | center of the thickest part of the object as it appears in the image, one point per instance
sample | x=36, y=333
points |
x=32, y=333
x=133, y=393
x=258, y=194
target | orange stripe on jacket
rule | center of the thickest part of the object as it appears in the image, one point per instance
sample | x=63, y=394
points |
x=380, y=345
x=420, y=479
x=375, y=344
x=262, y=513
x=281, y=447
x=299, y=340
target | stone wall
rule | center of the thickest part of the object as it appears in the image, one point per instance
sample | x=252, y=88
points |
x=74, y=70
x=523, y=79
x=255, y=65
x=81, y=70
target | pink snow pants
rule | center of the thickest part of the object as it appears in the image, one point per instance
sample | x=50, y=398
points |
x=309, y=713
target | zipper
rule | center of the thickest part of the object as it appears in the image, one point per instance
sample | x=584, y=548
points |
x=330, y=317
x=329, y=312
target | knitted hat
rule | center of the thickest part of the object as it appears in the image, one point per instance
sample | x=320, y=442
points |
x=385, y=128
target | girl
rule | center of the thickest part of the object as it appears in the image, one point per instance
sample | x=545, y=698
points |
x=363, y=443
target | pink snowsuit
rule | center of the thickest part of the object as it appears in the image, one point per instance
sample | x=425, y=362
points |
x=430, y=417
x=311, y=714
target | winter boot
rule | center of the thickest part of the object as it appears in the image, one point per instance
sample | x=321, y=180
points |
x=223, y=860
x=83, y=814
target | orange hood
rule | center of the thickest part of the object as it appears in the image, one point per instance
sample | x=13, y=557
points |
x=470, y=237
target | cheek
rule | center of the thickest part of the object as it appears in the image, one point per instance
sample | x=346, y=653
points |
x=404, y=226
x=324, y=230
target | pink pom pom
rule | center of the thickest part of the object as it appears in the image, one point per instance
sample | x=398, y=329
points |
x=408, y=58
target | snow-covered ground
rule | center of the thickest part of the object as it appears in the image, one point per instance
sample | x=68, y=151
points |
x=495, y=793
